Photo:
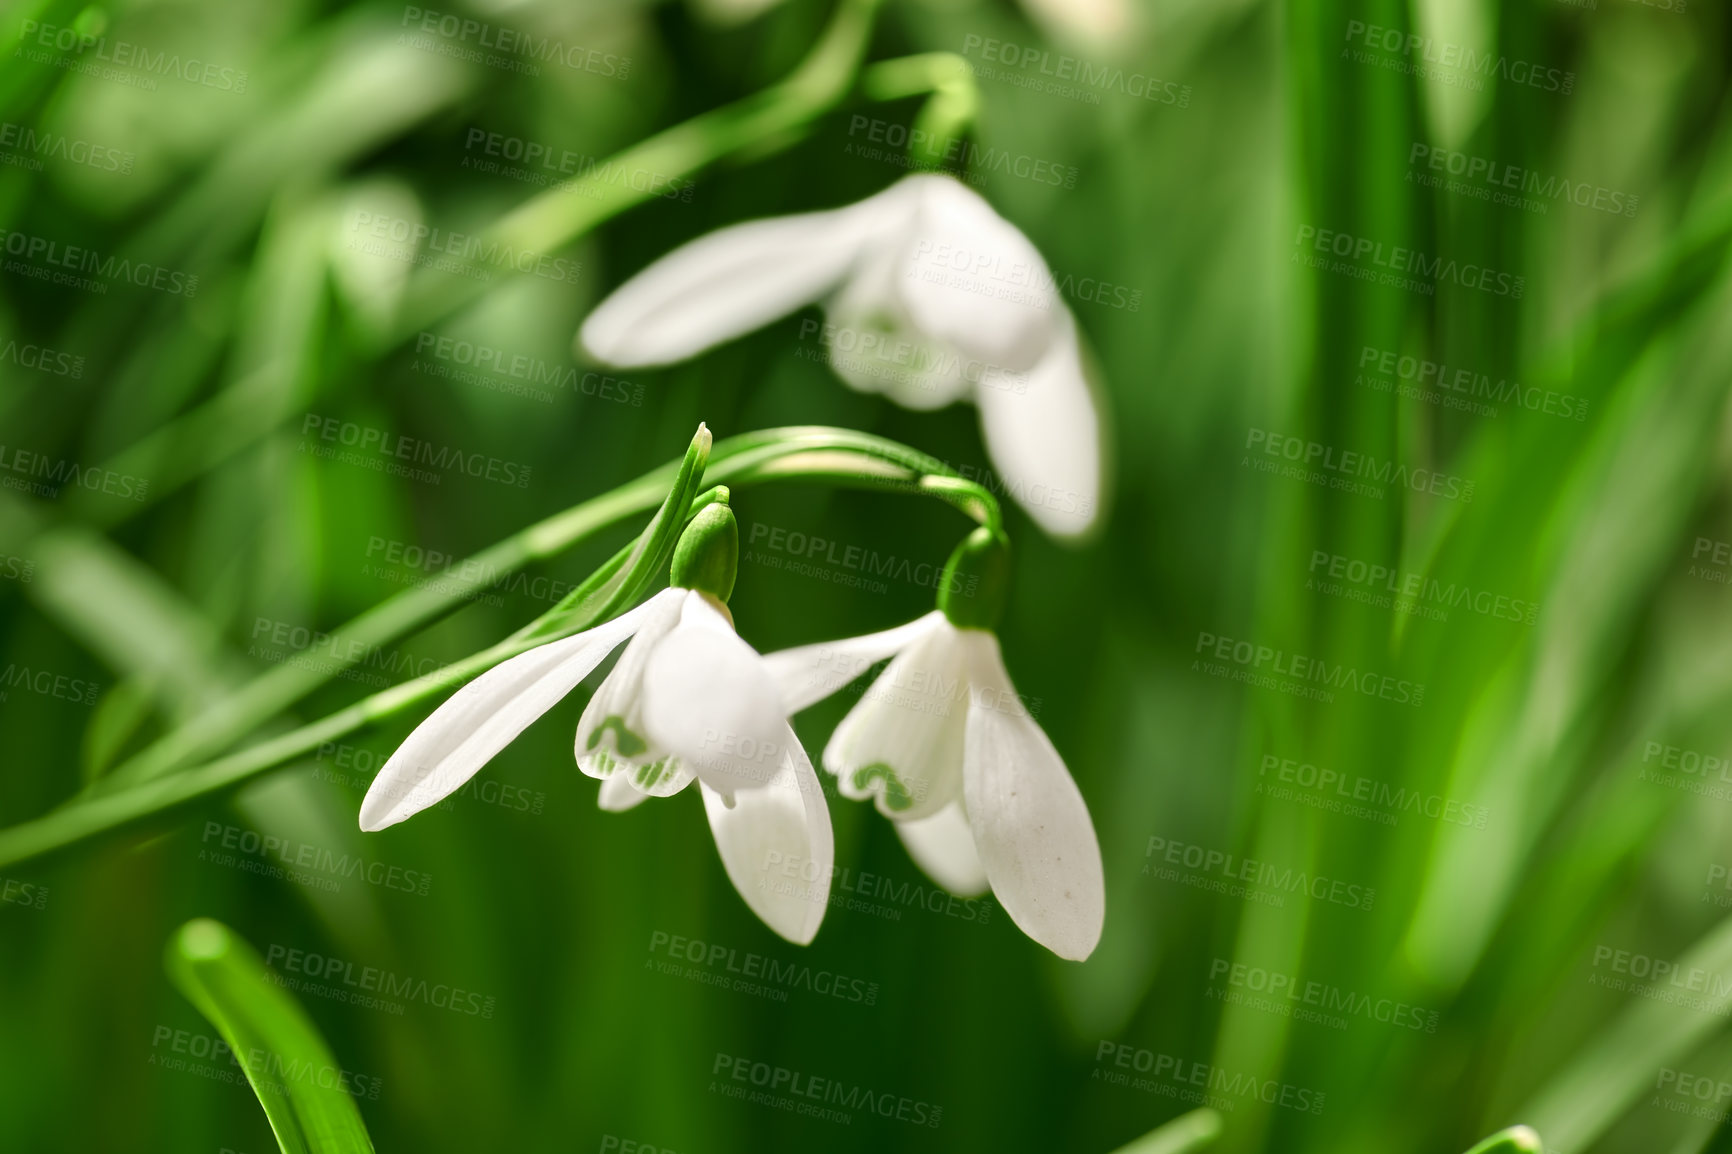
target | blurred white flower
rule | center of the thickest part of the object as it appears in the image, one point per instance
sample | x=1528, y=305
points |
x=944, y=746
x=688, y=698
x=931, y=298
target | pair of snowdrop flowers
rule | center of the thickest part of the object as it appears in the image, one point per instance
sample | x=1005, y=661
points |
x=930, y=298
x=941, y=742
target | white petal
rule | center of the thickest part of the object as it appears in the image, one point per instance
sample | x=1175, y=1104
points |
x=971, y=280
x=708, y=699
x=1043, y=431
x=807, y=674
x=776, y=844
x=943, y=846
x=483, y=717
x=875, y=346
x=618, y=794
x=726, y=284
x=1030, y=824
x=902, y=744
x=611, y=731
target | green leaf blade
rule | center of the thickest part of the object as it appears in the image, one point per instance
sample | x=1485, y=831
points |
x=272, y=1038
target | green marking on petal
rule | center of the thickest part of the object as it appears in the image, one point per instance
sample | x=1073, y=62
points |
x=624, y=740
x=895, y=794
x=647, y=777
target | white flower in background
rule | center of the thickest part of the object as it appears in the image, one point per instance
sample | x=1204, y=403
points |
x=931, y=298
x=944, y=746
x=687, y=699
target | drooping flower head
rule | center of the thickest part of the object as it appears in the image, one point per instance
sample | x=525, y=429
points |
x=943, y=745
x=687, y=700
x=931, y=298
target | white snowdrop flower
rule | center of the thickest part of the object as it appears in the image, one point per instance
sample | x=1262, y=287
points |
x=931, y=298
x=944, y=746
x=688, y=699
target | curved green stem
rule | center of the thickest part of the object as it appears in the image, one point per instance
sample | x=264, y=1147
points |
x=152, y=781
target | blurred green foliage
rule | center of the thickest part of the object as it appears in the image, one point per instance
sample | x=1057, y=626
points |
x=189, y=534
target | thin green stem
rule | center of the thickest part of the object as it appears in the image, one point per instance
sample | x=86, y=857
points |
x=153, y=781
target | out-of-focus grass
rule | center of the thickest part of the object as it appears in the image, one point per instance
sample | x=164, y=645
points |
x=153, y=608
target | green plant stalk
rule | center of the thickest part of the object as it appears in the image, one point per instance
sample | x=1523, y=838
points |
x=565, y=212
x=152, y=785
x=801, y=453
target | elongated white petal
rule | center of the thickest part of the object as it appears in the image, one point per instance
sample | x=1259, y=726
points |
x=902, y=744
x=776, y=844
x=708, y=699
x=807, y=674
x=943, y=846
x=1030, y=824
x=973, y=281
x=482, y=718
x=1043, y=431
x=610, y=733
x=726, y=284
x=618, y=794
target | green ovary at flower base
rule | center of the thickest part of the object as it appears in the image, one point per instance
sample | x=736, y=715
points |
x=687, y=700
x=942, y=743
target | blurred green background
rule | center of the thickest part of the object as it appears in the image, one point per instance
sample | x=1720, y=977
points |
x=1548, y=825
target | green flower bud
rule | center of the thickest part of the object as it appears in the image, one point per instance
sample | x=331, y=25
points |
x=976, y=581
x=708, y=553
